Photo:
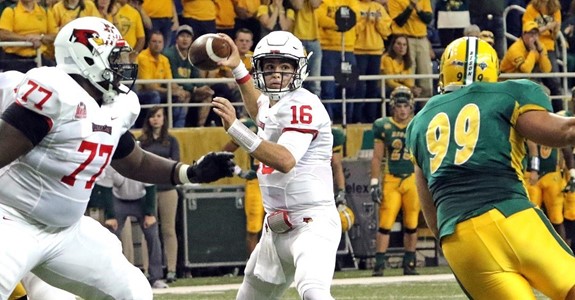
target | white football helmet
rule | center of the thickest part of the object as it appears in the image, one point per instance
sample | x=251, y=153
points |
x=282, y=45
x=94, y=48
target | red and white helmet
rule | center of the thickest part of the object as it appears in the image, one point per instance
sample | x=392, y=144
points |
x=94, y=48
x=282, y=45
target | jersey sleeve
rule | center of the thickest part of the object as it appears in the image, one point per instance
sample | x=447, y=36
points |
x=531, y=96
x=377, y=128
x=338, y=139
x=39, y=93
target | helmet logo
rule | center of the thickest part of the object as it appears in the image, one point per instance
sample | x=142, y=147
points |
x=83, y=36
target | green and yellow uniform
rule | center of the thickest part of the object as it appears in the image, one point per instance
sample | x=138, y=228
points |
x=253, y=204
x=399, y=191
x=470, y=154
x=338, y=139
x=549, y=188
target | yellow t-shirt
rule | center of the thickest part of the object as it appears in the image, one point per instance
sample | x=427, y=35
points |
x=225, y=15
x=546, y=37
x=414, y=26
x=329, y=37
x=305, y=25
x=18, y=20
x=250, y=5
x=158, y=8
x=518, y=59
x=129, y=24
x=63, y=15
x=151, y=68
x=201, y=10
x=390, y=66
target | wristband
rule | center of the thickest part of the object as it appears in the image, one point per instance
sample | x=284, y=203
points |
x=373, y=181
x=246, y=138
x=183, y=174
x=534, y=163
x=241, y=74
x=572, y=173
x=237, y=170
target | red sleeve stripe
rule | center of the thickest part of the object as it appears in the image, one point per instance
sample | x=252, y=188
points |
x=244, y=79
x=308, y=131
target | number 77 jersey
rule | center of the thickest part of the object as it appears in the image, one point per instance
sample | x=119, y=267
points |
x=466, y=145
x=52, y=183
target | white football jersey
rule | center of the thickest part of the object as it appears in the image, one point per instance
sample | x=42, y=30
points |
x=53, y=182
x=310, y=183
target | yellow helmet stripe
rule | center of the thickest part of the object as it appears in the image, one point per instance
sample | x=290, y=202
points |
x=471, y=61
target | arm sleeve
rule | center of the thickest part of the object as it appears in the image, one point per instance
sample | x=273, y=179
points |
x=296, y=142
x=125, y=146
x=33, y=125
x=402, y=18
x=425, y=16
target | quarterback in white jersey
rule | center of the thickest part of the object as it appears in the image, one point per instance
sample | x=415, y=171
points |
x=67, y=123
x=294, y=145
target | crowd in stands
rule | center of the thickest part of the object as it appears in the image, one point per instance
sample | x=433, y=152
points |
x=389, y=37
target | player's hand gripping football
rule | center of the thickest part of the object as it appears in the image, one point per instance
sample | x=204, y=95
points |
x=234, y=59
x=375, y=192
x=211, y=167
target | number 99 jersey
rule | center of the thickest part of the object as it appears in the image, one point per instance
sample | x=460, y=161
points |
x=52, y=183
x=469, y=152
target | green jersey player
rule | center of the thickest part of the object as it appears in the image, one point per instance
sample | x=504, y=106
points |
x=467, y=146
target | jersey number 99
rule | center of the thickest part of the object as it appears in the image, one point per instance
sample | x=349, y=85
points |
x=465, y=136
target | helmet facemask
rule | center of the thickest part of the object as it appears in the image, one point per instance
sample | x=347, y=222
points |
x=295, y=77
x=284, y=46
x=121, y=68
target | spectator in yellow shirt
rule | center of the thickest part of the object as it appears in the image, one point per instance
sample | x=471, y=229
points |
x=130, y=24
x=373, y=27
x=26, y=22
x=547, y=14
x=164, y=17
x=527, y=54
x=152, y=64
x=396, y=61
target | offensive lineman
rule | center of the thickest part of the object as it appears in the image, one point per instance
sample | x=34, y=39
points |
x=467, y=146
x=67, y=124
x=294, y=145
x=399, y=191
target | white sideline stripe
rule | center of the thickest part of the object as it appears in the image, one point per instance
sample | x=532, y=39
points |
x=344, y=281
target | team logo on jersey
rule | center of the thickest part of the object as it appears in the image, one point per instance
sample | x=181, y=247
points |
x=80, y=111
x=102, y=128
x=87, y=37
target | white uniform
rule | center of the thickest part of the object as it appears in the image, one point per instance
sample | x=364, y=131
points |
x=36, y=289
x=306, y=192
x=45, y=194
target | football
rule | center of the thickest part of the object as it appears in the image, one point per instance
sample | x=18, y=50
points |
x=207, y=50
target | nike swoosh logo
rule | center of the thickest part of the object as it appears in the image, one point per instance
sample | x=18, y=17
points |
x=4, y=218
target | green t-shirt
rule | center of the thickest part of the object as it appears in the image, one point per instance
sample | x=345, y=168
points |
x=466, y=145
x=397, y=154
x=181, y=68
